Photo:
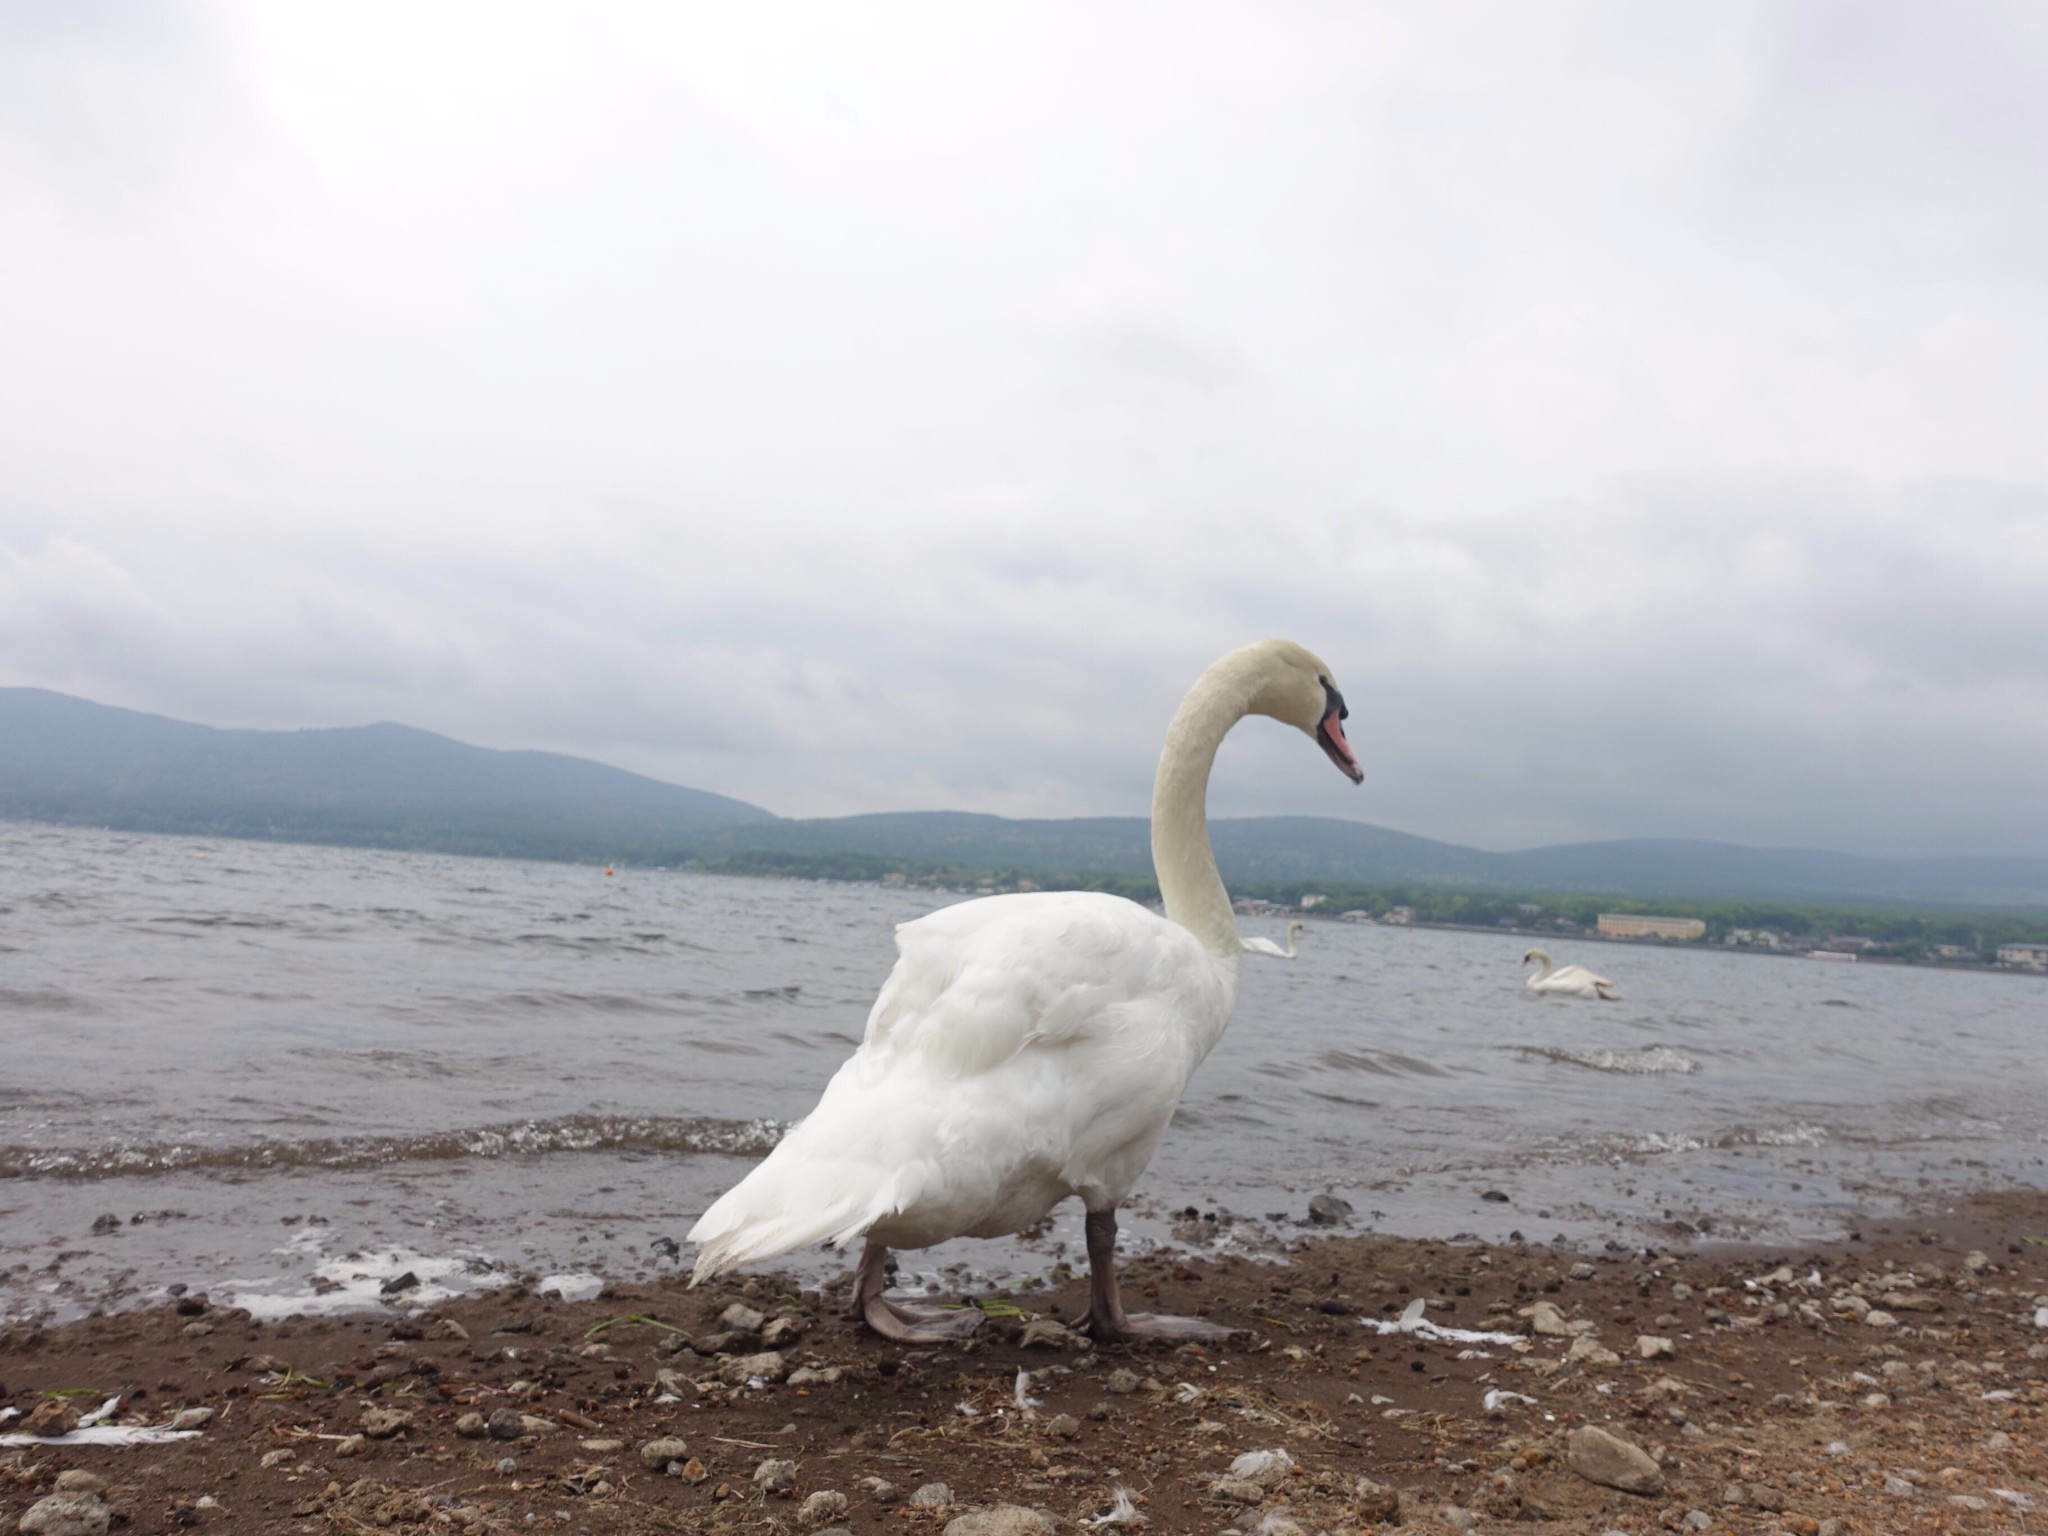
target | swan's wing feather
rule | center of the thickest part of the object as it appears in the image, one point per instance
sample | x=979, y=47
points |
x=1021, y=1045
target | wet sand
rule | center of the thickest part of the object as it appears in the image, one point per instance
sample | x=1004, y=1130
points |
x=1892, y=1383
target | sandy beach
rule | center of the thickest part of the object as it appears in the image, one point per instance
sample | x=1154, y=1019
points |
x=1892, y=1383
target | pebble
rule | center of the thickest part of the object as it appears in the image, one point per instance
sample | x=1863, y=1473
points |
x=382, y=1423
x=773, y=1476
x=1121, y=1380
x=602, y=1447
x=880, y=1489
x=448, y=1328
x=1236, y=1490
x=1698, y=1519
x=1050, y=1333
x=815, y=1376
x=67, y=1514
x=1651, y=1347
x=1328, y=1211
x=275, y=1458
x=471, y=1426
x=507, y=1466
x=657, y=1454
x=822, y=1507
x=784, y=1330
x=1603, y=1457
x=741, y=1369
x=506, y=1424
x=53, y=1416
x=1457, y=1517
x=1877, y=1317
x=693, y=1471
x=78, y=1480
x=1266, y=1469
x=1588, y=1350
x=1583, y=1271
x=1899, y=1488
x=932, y=1496
x=353, y=1445
x=1376, y=1501
x=1545, y=1319
x=740, y=1318
x=1003, y=1520
x=1969, y=1501
x=1680, y=1291
x=1063, y=1426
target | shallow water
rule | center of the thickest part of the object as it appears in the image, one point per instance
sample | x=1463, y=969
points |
x=266, y=1058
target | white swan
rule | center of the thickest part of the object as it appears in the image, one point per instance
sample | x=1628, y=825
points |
x=1268, y=947
x=1027, y=1048
x=1570, y=981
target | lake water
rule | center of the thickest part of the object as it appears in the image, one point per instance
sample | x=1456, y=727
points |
x=284, y=1070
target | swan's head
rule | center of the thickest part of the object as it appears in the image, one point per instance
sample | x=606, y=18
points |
x=1294, y=928
x=1534, y=955
x=1296, y=687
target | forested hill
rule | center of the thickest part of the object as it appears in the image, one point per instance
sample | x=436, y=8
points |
x=67, y=760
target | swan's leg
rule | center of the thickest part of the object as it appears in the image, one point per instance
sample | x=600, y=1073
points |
x=1107, y=1319
x=906, y=1322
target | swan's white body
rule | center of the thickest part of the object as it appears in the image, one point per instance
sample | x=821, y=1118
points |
x=1268, y=947
x=1024, y=1049
x=1568, y=981
x=1028, y=1048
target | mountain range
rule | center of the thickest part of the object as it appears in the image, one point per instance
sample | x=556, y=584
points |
x=67, y=760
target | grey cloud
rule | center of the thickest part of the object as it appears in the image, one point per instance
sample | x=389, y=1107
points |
x=1638, y=408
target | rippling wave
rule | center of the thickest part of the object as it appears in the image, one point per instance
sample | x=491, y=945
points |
x=1642, y=1061
x=570, y=1133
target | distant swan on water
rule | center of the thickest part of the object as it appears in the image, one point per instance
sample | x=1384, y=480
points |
x=1571, y=981
x=1030, y=1047
x=1268, y=947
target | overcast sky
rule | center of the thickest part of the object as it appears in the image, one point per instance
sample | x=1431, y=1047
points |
x=868, y=407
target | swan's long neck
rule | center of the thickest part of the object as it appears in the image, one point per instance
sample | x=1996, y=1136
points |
x=1181, y=856
x=1543, y=965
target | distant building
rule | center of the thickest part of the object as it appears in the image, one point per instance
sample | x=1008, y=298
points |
x=1848, y=943
x=1831, y=954
x=1630, y=925
x=1954, y=952
x=1400, y=917
x=1355, y=915
x=2028, y=957
x=1310, y=902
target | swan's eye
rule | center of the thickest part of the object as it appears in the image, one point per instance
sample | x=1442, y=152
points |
x=1332, y=699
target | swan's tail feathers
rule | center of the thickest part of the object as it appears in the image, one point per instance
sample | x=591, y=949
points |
x=777, y=1209
x=1605, y=990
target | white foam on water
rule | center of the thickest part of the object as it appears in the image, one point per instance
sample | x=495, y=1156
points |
x=1642, y=1061
x=355, y=1283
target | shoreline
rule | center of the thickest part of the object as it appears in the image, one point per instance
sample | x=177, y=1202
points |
x=1894, y=1381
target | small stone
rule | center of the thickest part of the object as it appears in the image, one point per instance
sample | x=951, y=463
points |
x=52, y=1417
x=506, y=1424
x=1603, y=1457
x=78, y=1480
x=507, y=1466
x=602, y=1447
x=1583, y=1271
x=1697, y=1519
x=815, y=1376
x=657, y=1454
x=693, y=1471
x=1457, y=1518
x=1588, y=1350
x=1050, y=1333
x=448, y=1328
x=740, y=1318
x=783, y=1331
x=1236, y=1490
x=67, y=1514
x=1121, y=1381
x=1899, y=1488
x=932, y=1496
x=742, y=1369
x=1877, y=1317
x=353, y=1445
x=775, y=1476
x=880, y=1489
x=1328, y=1211
x=471, y=1426
x=1651, y=1347
x=1546, y=1320
x=1376, y=1501
x=191, y=1418
x=821, y=1508
x=534, y=1424
x=383, y=1423
x=1680, y=1291
x=1003, y=1520
x=399, y=1284
x=1063, y=1426
x=1969, y=1501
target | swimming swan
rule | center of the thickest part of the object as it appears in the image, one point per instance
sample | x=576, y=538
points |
x=1030, y=1047
x=1268, y=947
x=1572, y=981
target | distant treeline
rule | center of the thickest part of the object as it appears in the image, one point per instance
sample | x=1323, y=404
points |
x=1905, y=932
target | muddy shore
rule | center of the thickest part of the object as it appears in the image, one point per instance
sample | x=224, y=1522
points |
x=1893, y=1383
